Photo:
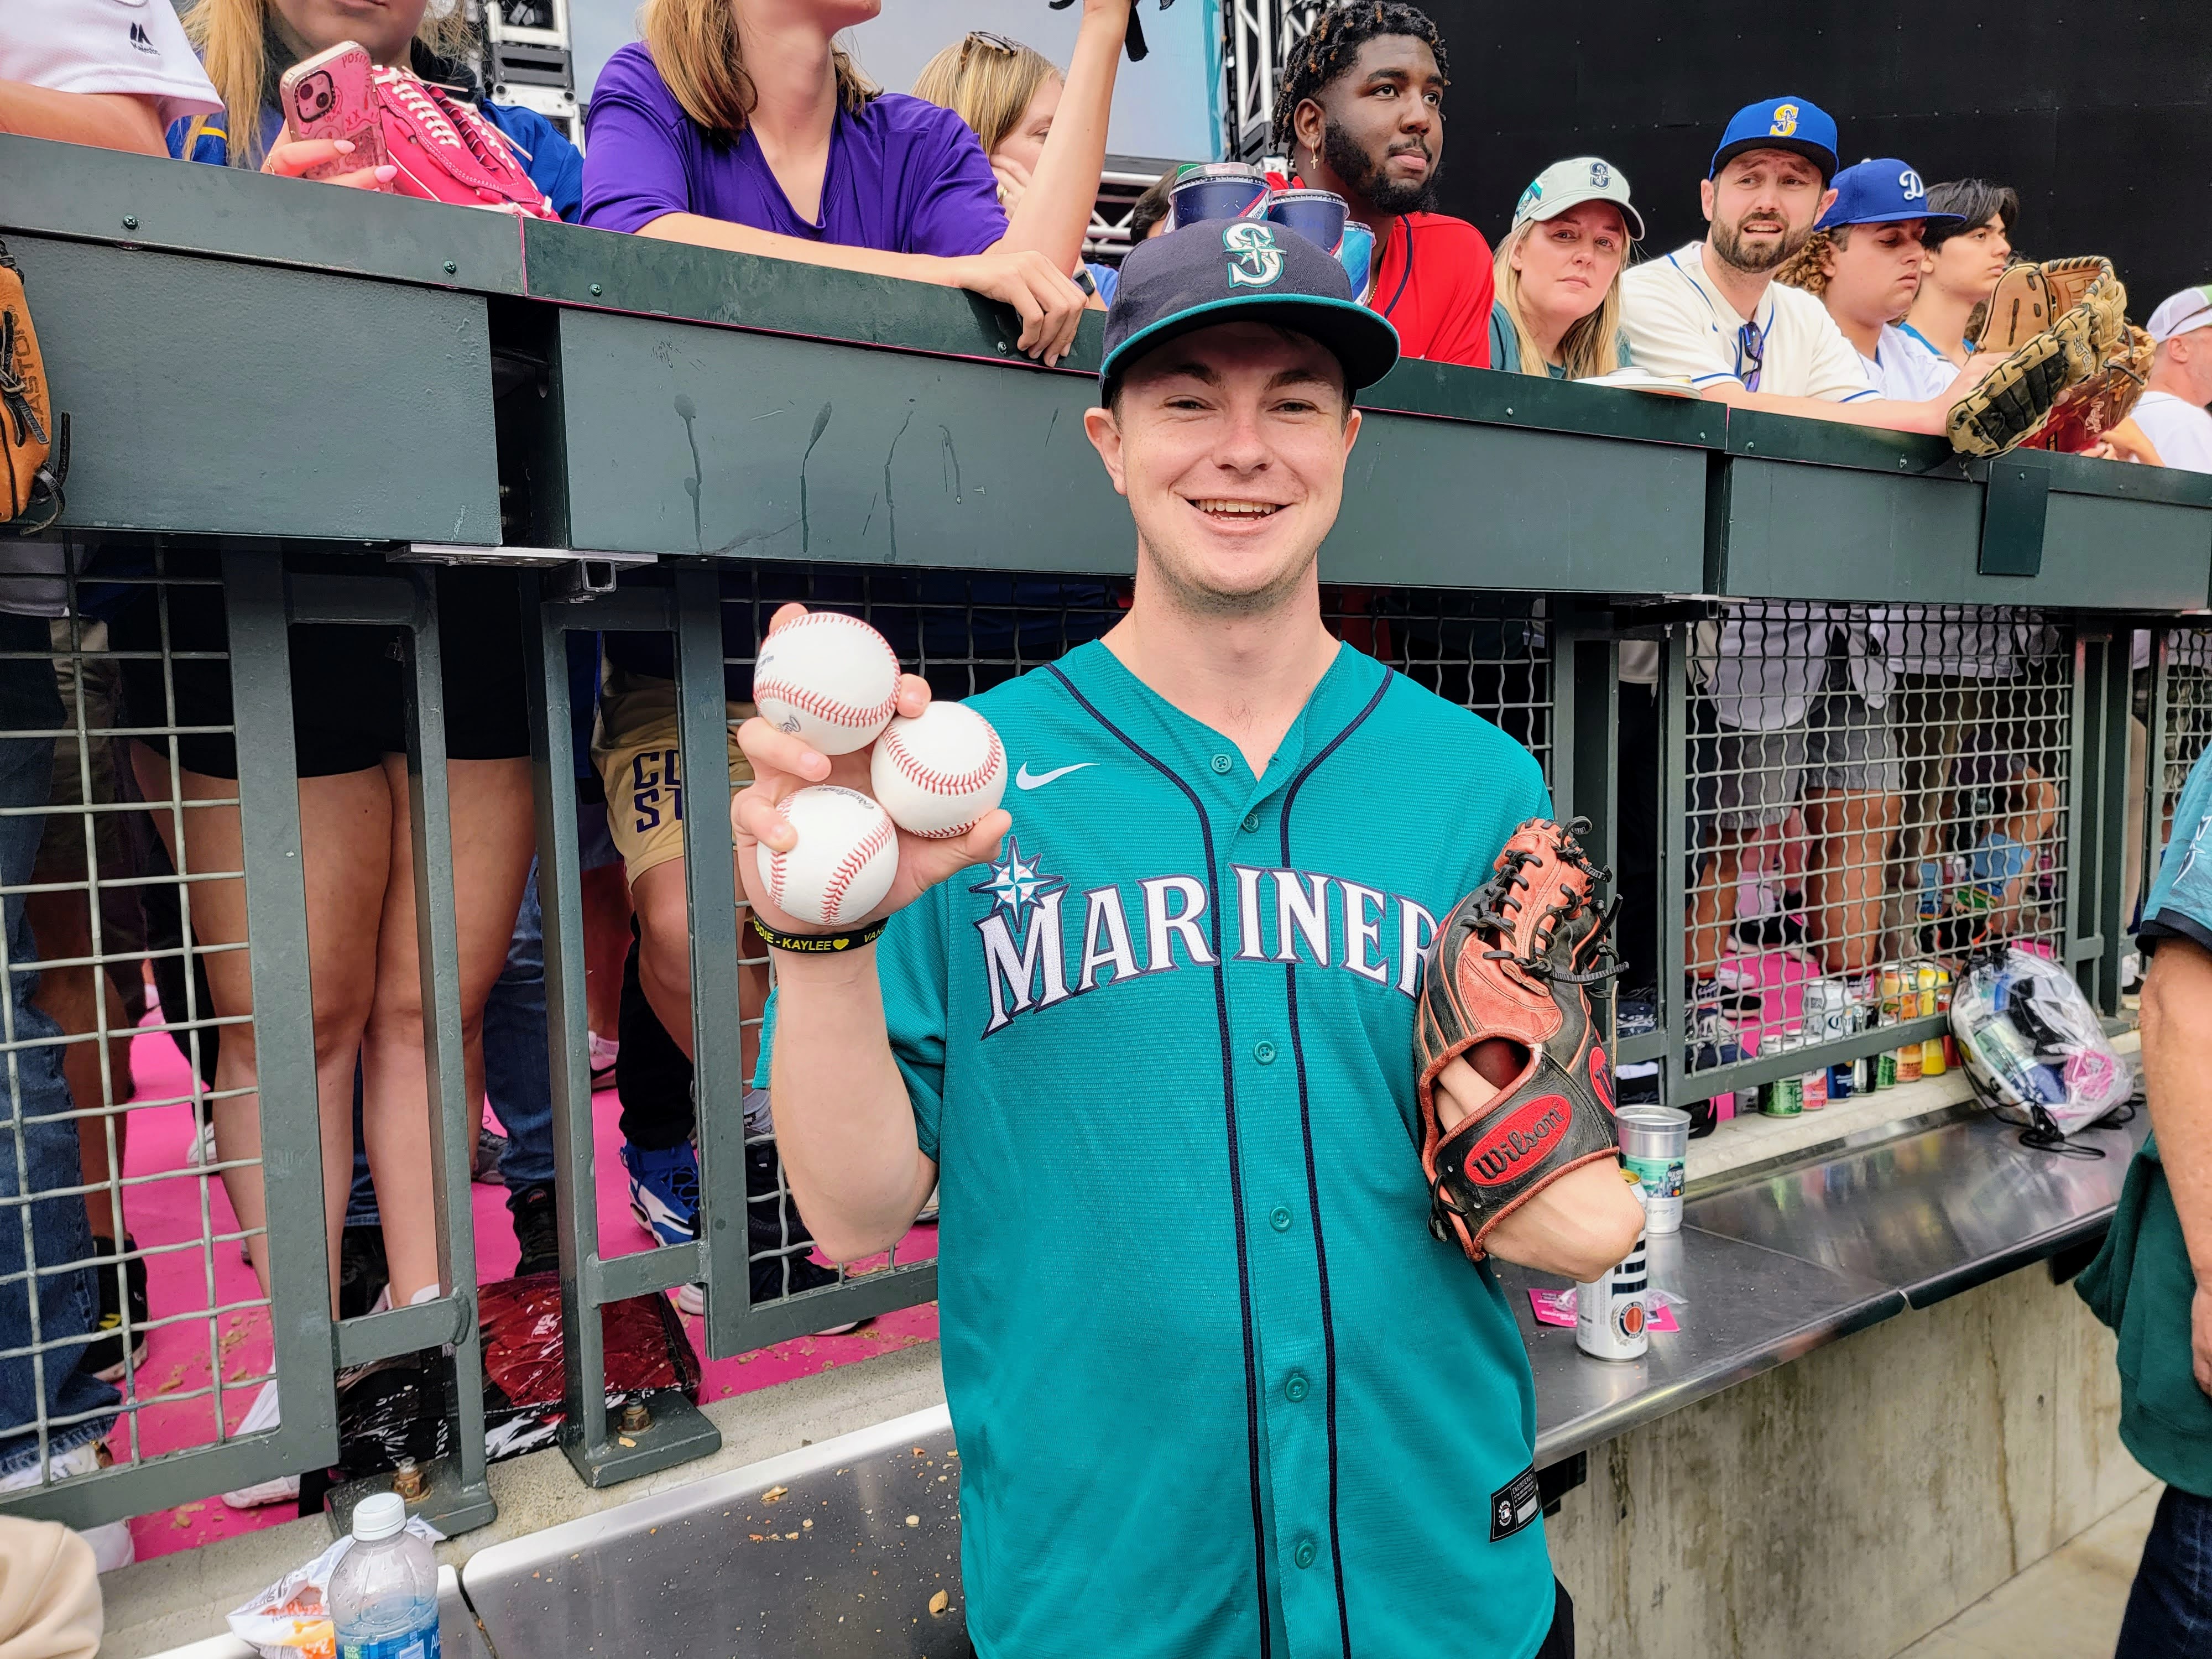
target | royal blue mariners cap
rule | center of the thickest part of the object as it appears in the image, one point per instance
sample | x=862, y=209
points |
x=1789, y=123
x=1881, y=192
x=1222, y=270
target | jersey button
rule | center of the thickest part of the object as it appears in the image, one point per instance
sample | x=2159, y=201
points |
x=1279, y=1219
x=1294, y=1387
x=1264, y=1052
x=1251, y=822
x=1304, y=1555
x=1222, y=763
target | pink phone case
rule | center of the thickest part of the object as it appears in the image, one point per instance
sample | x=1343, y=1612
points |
x=332, y=96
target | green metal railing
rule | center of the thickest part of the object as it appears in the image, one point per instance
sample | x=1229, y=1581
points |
x=260, y=367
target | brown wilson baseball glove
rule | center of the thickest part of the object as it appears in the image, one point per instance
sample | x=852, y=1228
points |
x=1513, y=962
x=2063, y=327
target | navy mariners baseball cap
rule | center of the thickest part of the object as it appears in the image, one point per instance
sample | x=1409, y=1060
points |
x=1222, y=270
x=1789, y=123
x=1881, y=192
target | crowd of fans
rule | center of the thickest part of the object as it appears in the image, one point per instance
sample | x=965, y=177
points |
x=1848, y=294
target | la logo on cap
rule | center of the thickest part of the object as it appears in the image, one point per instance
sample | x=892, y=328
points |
x=1254, y=261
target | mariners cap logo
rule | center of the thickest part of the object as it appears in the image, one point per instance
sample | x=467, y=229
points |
x=1601, y=175
x=1529, y=198
x=1909, y=182
x=1786, y=121
x=1254, y=261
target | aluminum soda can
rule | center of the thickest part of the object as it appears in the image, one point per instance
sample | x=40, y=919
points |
x=1824, y=1010
x=1785, y=1095
x=1884, y=1069
x=1612, y=1312
x=1655, y=1146
x=1217, y=190
x=1813, y=1087
x=1893, y=996
x=1316, y=214
x=1841, y=1084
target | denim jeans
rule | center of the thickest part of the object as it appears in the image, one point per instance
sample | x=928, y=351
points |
x=517, y=1066
x=2170, y=1609
x=31, y=1127
x=517, y=1072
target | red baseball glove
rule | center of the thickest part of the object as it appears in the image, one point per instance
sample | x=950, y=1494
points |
x=1514, y=961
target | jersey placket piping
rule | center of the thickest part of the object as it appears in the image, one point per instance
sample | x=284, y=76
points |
x=1229, y=1112
x=1313, y=1182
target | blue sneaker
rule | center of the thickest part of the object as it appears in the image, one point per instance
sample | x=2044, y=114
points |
x=664, y=1191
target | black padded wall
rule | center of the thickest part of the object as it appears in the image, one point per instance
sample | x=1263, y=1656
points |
x=2099, y=116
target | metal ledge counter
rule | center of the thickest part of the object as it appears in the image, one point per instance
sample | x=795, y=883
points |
x=1765, y=1272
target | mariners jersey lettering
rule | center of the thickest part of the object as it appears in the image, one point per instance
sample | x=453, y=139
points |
x=1194, y=1328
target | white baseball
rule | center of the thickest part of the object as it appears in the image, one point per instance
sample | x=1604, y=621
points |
x=829, y=679
x=844, y=862
x=939, y=773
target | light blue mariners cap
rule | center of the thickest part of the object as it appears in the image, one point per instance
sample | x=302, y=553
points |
x=1568, y=183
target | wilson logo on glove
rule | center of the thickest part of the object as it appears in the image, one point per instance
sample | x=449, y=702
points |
x=1510, y=968
x=1504, y=1152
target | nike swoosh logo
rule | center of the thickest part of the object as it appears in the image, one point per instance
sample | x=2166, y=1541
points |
x=1025, y=779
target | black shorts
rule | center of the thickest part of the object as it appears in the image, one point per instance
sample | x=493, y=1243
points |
x=348, y=683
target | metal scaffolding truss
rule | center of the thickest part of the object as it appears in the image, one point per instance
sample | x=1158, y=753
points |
x=1260, y=32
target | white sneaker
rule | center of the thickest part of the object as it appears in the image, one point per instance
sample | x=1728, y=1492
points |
x=692, y=1299
x=112, y=1545
x=202, y=1152
x=263, y=1415
x=602, y=1054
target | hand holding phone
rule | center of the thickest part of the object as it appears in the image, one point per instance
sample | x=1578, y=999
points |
x=332, y=96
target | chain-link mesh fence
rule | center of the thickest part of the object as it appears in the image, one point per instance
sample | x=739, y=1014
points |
x=1874, y=792
x=132, y=1195
x=2179, y=671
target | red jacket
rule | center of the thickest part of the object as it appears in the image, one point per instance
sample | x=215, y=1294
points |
x=1436, y=284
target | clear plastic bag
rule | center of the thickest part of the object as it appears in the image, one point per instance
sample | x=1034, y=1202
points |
x=2032, y=1041
x=291, y=1618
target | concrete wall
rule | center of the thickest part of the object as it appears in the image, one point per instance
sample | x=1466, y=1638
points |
x=1843, y=1506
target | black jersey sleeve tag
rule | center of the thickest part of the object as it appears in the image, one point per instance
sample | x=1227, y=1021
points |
x=1515, y=1504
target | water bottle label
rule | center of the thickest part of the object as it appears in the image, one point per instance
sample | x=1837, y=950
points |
x=416, y=1645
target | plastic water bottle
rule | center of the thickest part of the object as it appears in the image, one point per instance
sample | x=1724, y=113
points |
x=384, y=1590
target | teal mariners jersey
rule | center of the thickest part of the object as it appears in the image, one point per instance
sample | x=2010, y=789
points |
x=1217, y=1390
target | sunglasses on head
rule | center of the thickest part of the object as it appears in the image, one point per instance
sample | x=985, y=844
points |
x=988, y=42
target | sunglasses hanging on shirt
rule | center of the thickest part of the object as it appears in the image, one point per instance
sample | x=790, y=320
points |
x=1133, y=41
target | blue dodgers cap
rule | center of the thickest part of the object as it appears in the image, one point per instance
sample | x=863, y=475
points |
x=1223, y=270
x=1789, y=123
x=1880, y=192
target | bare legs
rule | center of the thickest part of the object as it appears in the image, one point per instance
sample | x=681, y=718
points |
x=492, y=838
x=357, y=866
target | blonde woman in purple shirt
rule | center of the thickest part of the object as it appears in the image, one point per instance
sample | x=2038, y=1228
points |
x=742, y=124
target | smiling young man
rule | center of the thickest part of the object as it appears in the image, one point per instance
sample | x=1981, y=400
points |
x=1158, y=1050
x=1360, y=112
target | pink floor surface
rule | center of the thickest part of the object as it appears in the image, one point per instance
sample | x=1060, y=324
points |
x=181, y=1356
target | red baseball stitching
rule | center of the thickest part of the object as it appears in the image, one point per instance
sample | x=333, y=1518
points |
x=848, y=867
x=825, y=709
x=775, y=860
x=928, y=778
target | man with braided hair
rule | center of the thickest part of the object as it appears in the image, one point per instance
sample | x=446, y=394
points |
x=1360, y=112
x=1177, y=1040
